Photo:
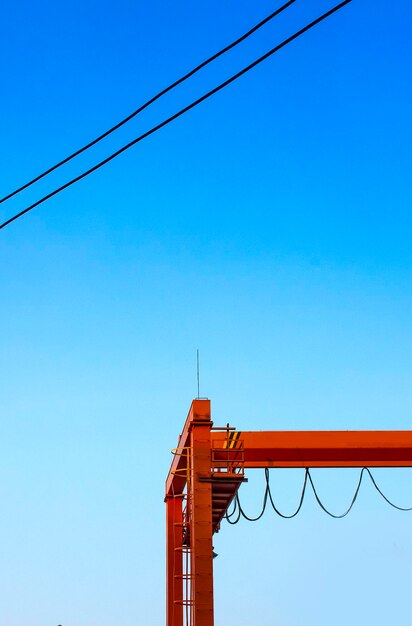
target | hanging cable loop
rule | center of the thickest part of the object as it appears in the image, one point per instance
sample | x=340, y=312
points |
x=234, y=516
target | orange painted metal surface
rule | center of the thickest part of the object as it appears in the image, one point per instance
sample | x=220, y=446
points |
x=189, y=584
x=207, y=470
x=322, y=448
x=176, y=479
x=174, y=560
x=201, y=530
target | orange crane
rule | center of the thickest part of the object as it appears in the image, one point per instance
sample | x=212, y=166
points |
x=206, y=472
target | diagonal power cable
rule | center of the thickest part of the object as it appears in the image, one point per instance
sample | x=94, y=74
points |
x=150, y=101
x=187, y=108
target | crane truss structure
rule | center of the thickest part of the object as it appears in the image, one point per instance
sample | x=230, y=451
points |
x=206, y=472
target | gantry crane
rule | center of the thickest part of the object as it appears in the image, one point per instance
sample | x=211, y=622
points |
x=206, y=472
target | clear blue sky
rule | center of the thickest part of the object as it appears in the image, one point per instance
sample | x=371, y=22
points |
x=271, y=228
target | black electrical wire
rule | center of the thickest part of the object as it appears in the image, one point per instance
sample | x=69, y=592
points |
x=348, y=510
x=229, y=516
x=355, y=496
x=253, y=519
x=267, y=495
x=302, y=495
x=239, y=512
x=395, y=506
x=179, y=113
x=151, y=101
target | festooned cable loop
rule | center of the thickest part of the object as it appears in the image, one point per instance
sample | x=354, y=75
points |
x=238, y=511
x=322, y=506
x=395, y=506
x=302, y=496
x=254, y=519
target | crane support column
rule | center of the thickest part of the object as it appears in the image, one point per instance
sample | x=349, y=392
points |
x=174, y=560
x=189, y=521
x=201, y=521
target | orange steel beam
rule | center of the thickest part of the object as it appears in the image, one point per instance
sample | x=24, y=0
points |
x=207, y=470
x=174, y=561
x=189, y=589
x=176, y=479
x=201, y=530
x=376, y=448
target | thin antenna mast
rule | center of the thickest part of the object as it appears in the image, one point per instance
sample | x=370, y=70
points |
x=198, y=373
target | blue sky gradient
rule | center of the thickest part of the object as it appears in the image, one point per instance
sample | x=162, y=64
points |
x=271, y=228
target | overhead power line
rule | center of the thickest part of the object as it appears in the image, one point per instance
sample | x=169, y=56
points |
x=150, y=101
x=238, y=512
x=187, y=108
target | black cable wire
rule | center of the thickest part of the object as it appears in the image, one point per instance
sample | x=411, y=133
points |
x=302, y=496
x=179, y=113
x=355, y=495
x=395, y=506
x=240, y=512
x=236, y=509
x=151, y=101
x=253, y=519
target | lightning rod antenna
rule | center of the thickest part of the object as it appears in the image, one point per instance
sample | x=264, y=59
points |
x=198, y=373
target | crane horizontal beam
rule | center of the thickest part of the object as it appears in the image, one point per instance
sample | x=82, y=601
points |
x=376, y=448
